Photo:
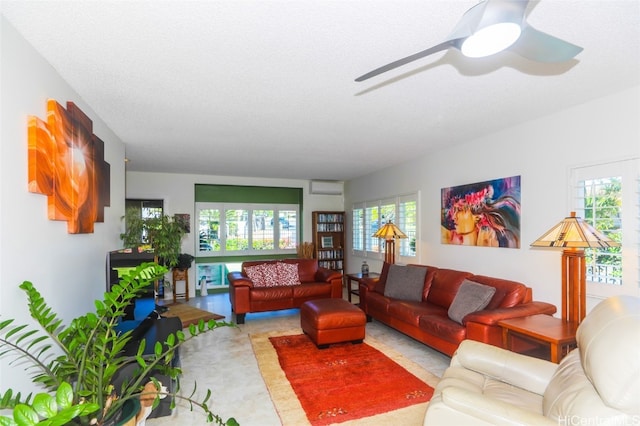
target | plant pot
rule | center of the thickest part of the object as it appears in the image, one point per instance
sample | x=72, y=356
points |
x=184, y=261
x=126, y=416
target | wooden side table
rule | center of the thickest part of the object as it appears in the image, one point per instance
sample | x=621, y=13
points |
x=558, y=335
x=180, y=275
x=349, y=278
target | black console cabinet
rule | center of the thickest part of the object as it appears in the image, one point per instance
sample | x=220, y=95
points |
x=152, y=329
x=121, y=261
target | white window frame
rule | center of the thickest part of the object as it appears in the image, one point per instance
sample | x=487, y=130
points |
x=368, y=247
x=357, y=229
x=411, y=230
x=250, y=207
x=629, y=170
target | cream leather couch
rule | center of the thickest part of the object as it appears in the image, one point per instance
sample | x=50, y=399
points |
x=596, y=384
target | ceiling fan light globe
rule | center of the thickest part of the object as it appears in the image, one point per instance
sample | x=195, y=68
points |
x=490, y=40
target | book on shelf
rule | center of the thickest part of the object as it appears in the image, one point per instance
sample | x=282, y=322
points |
x=330, y=254
x=330, y=227
x=330, y=264
x=331, y=217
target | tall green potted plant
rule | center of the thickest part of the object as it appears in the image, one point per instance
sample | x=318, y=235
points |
x=163, y=234
x=76, y=364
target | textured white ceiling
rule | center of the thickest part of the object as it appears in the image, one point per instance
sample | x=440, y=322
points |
x=266, y=88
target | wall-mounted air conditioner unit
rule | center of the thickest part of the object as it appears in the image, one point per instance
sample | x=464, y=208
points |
x=326, y=187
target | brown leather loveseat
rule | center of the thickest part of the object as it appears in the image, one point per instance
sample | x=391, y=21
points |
x=270, y=285
x=426, y=315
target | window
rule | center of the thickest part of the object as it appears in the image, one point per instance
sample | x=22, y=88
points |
x=148, y=209
x=262, y=221
x=368, y=217
x=602, y=204
x=244, y=221
x=371, y=226
x=287, y=237
x=209, y=229
x=235, y=230
x=357, y=228
x=606, y=196
x=246, y=229
x=408, y=223
x=388, y=212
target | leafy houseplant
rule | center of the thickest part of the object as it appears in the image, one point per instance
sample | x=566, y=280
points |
x=78, y=362
x=164, y=234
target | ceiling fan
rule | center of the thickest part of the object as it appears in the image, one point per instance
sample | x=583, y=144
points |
x=490, y=27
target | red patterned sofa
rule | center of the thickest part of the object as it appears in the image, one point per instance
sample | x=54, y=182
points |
x=270, y=285
x=428, y=317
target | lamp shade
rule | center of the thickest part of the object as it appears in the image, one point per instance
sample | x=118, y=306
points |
x=573, y=232
x=389, y=232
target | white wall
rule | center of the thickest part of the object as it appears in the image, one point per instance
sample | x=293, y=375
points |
x=69, y=270
x=178, y=193
x=541, y=152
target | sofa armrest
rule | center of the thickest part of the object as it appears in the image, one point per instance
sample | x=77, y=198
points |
x=492, y=316
x=462, y=405
x=369, y=282
x=525, y=372
x=236, y=279
x=327, y=275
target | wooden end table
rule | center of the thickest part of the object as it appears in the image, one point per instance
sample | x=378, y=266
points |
x=349, y=278
x=557, y=334
x=180, y=275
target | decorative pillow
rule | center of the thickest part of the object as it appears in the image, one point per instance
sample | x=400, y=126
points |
x=270, y=274
x=288, y=273
x=405, y=282
x=255, y=275
x=471, y=297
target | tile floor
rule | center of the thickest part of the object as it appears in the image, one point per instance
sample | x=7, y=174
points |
x=223, y=361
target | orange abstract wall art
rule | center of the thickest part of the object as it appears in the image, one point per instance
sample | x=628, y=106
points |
x=66, y=163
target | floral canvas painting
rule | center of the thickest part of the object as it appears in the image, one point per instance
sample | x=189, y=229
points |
x=482, y=214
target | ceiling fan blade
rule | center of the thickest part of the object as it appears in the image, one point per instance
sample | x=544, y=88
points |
x=542, y=47
x=486, y=13
x=532, y=44
x=437, y=48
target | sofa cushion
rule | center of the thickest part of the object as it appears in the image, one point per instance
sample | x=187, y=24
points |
x=471, y=297
x=379, y=287
x=270, y=274
x=273, y=294
x=445, y=285
x=307, y=268
x=486, y=386
x=410, y=312
x=377, y=303
x=255, y=275
x=570, y=394
x=610, y=361
x=508, y=293
x=263, y=275
x=443, y=328
x=288, y=274
x=311, y=291
x=405, y=282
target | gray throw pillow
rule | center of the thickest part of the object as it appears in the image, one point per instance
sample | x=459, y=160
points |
x=405, y=282
x=471, y=297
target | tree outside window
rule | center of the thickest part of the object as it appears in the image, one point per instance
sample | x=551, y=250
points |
x=602, y=210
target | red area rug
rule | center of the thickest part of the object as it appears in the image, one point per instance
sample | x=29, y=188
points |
x=358, y=384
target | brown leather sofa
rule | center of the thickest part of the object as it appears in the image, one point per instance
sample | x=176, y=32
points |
x=428, y=321
x=315, y=283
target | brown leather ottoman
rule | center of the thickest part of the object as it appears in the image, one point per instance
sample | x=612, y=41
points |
x=328, y=321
